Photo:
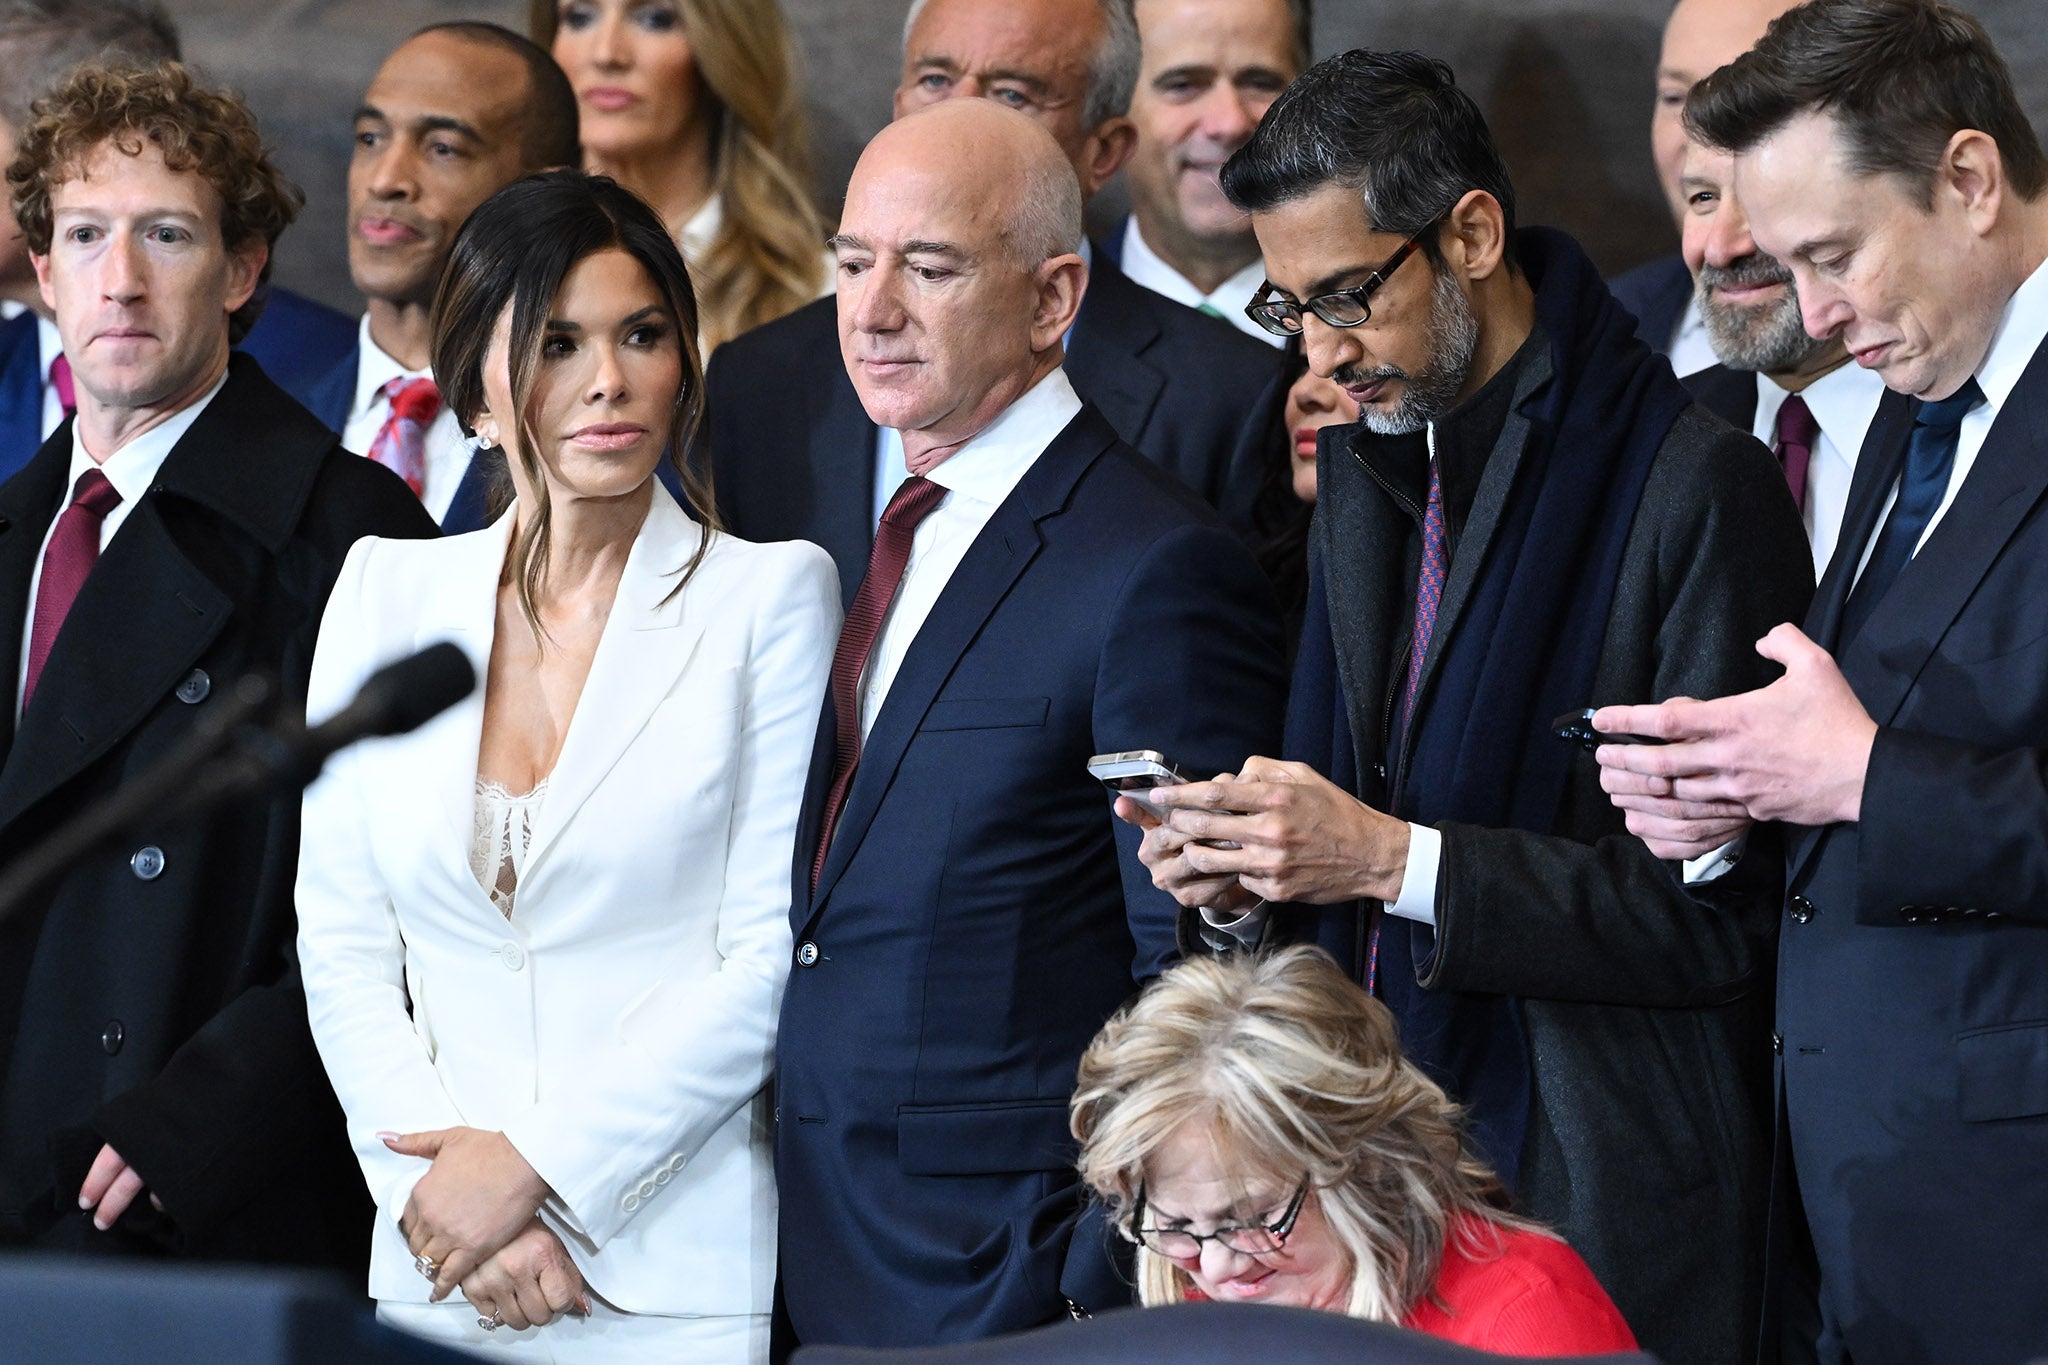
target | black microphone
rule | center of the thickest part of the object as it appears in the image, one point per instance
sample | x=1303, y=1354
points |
x=231, y=756
x=397, y=698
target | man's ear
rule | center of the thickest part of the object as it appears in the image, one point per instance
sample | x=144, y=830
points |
x=1108, y=147
x=1062, y=281
x=1972, y=170
x=245, y=270
x=42, y=268
x=1474, y=235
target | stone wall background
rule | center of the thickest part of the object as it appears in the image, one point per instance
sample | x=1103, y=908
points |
x=1566, y=85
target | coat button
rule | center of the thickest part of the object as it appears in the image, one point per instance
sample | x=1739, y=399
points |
x=148, y=863
x=630, y=1203
x=1801, y=908
x=1778, y=1043
x=112, y=1036
x=807, y=954
x=193, y=690
x=512, y=955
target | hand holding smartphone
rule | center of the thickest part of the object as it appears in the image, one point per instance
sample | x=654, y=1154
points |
x=1576, y=727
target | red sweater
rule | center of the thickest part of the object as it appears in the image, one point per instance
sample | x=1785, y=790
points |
x=1533, y=1297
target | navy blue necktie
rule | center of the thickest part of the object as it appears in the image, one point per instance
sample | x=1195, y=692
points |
x=1930, y=456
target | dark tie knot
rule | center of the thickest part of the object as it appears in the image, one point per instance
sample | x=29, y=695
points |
x=1947, y=414
x=1796, y=423
x=94, y=495
x=913, y=500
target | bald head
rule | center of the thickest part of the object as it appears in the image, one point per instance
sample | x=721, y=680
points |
x=1701, y=37
x=957, y=273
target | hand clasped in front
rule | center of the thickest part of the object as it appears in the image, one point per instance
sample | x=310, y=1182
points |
x=1795, y=751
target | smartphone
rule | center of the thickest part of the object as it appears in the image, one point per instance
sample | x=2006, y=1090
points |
x=1134, y=772
x=1576, y=727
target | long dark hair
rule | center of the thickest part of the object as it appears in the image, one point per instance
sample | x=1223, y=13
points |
x=515, y=251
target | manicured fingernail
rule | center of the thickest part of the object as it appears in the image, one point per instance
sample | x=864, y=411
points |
x=101, y=1226
x=387, y=1137
x=83, y=1202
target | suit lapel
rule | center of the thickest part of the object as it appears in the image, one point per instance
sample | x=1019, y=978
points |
x=143, y=618
x=28, y=504
x=1110, y=336
x=1730, y=395
x=646, y=643
x=998, y=557
x=2003, y=486
x=21, y=393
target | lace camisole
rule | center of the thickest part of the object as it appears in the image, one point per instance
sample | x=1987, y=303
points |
x=502, y=835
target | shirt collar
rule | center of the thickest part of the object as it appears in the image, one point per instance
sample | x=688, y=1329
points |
x=698, y=234
x=2021, y=331
x=989, y=466
x=1144, y=265
x=1844, y=401
x=376, y=367
x=133, y=468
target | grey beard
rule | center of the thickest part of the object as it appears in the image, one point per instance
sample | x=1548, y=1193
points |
x=1432, y=390
x=1772, y=341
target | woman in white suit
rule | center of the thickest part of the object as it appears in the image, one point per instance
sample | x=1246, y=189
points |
x=544, y=937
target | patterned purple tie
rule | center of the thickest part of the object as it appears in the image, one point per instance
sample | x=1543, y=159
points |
x=912, y=503
x=1797, y=430
x=1429, y=594
x=1429, y=591
x=401, y=443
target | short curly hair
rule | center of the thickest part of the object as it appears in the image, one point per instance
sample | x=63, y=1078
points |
x=211, y=132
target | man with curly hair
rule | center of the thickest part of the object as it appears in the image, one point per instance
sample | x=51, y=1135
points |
x=159, y=1091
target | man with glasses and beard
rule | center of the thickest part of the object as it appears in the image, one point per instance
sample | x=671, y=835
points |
x=1799, y=396
x=1532, y=517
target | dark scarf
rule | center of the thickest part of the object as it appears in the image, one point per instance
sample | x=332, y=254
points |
x=1524, y=649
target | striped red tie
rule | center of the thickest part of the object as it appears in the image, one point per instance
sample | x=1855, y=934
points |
x=888, y=559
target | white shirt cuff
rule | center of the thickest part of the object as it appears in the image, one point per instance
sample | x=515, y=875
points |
x=1417, y=900
x=1220, y=928
x=1717, y=863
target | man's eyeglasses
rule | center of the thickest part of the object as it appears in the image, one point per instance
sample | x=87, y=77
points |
x=1346, y=307
x=1250, y=1239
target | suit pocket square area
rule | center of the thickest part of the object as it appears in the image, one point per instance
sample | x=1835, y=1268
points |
x=986, y=713
x=992, y=1138
x=2002, y=1073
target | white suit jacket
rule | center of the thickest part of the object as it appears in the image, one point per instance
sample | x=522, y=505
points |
x=619, y=1029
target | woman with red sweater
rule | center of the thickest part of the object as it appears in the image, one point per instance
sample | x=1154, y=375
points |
x=1256, y=1131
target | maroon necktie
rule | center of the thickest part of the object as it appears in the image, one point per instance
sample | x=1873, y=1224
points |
x=60, y=380
x=1797, y=431
x=74, y=548
x=886, y=563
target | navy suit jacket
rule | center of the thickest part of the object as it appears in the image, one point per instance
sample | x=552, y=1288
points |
x=1913, y=957
x=1729, y=394
x=1656, y=292
x=296, y=341
x=982, y=912
x=794, y=451
x=21, y=393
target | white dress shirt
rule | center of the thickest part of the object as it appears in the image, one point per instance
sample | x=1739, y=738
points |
x=1843, y=401
x=978, y=477
x=1144, y=266
x=131, y=469
x=1691, y=349
x=447, y=452
x=2021, y=330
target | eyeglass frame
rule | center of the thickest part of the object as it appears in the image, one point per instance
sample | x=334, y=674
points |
x=1361, y=294
x=1279, y=1231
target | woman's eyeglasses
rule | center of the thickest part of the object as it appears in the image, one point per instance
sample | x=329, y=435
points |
x=1250, y=1239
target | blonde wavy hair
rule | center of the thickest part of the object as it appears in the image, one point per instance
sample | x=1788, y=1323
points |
x=768, y=257
x=1291, y=1068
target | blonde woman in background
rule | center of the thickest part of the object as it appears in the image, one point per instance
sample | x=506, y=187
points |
x=692, y=105
x=1255, y=1130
